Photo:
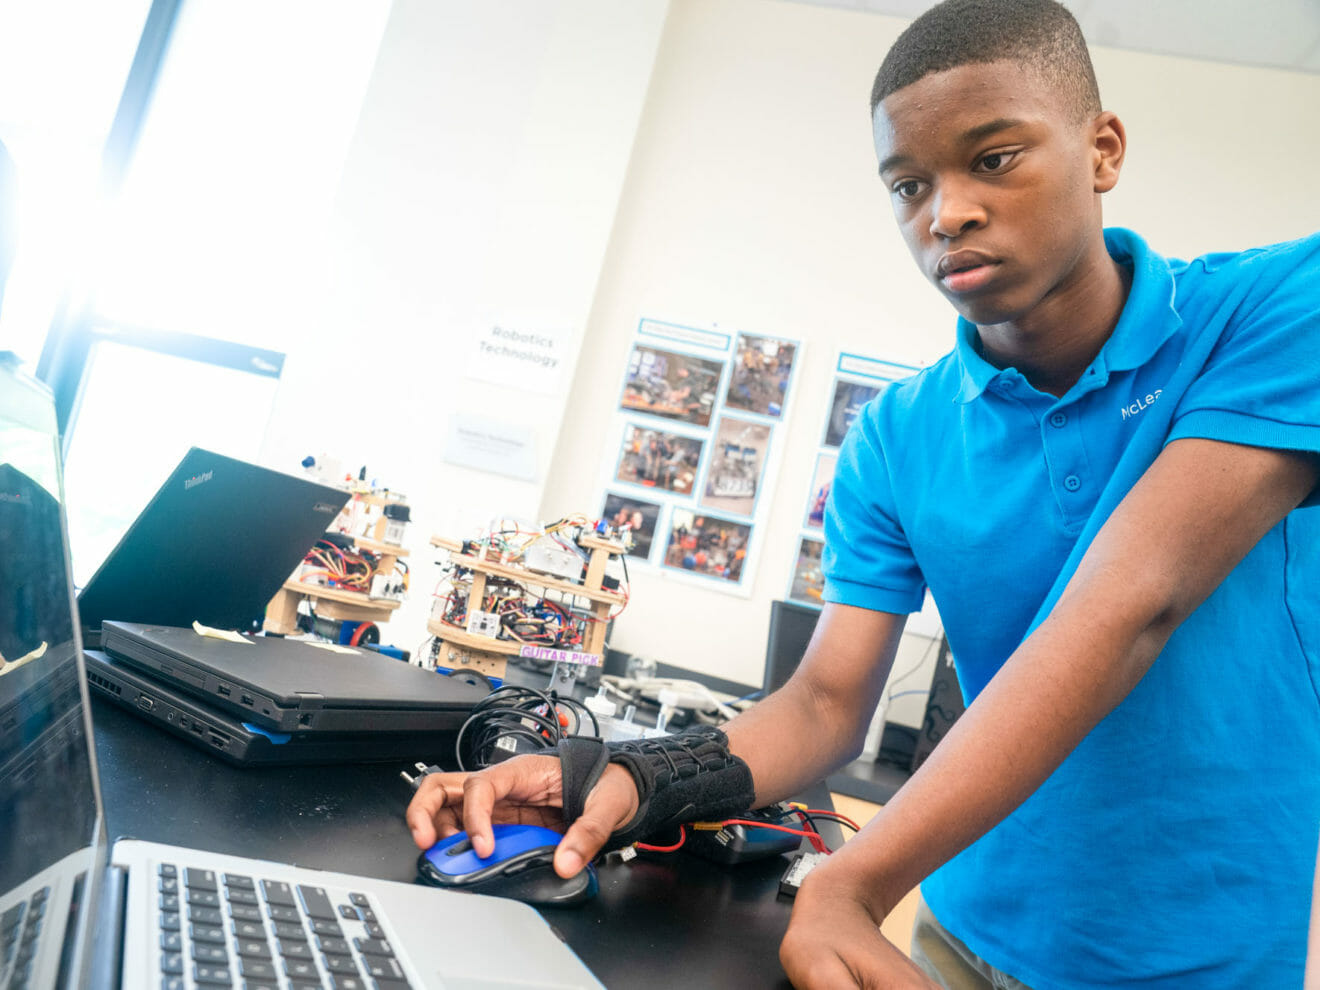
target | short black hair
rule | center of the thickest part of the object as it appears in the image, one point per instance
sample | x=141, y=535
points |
x=1040, y=35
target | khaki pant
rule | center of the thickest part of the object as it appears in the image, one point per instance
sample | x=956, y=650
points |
x=945, y=959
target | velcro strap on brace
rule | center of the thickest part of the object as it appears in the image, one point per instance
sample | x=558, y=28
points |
x=687, y=777
x=581, y=762
x=682, y=778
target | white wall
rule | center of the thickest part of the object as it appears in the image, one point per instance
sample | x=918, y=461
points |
x=483, y=176
x=752, y=202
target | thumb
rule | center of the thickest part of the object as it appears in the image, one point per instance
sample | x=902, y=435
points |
x=611, y=804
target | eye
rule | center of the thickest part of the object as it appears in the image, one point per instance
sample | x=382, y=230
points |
x=908, y=189
x=996, y=161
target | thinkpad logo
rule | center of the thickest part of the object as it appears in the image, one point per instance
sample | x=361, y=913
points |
x=197, y=479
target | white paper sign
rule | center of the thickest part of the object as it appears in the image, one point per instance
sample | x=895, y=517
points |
x=491, y=445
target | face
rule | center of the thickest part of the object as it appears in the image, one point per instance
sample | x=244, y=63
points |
x=995, y=185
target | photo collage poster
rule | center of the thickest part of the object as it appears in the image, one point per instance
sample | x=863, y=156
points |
x=700, y=413
x=857, y=380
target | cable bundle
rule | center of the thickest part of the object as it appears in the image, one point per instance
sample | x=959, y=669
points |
x=515, y=719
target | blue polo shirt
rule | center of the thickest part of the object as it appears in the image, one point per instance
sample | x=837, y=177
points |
x=1176, y=845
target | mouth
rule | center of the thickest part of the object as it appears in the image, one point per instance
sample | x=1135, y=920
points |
x=963, y=271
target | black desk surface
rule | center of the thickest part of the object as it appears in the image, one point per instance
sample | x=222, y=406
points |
x=660, y=921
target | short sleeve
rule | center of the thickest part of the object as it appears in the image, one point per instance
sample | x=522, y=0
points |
x=1261, y=384
x=867, y=561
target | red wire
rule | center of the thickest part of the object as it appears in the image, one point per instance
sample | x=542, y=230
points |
x=682, y=837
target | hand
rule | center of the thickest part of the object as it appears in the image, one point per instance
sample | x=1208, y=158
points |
x=526, y=790
x=834, y=940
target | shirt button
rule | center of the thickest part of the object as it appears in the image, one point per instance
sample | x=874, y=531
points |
x=1059, y=419
x=1072, y=482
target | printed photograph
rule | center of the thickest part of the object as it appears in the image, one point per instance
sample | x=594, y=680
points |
x=820, y=490
x=637, y=516
x=761, y=370
x=849, y=397
x=705, y=545
x=666, y=383
x=737, y=459
x=808, y=583
x=659, y=459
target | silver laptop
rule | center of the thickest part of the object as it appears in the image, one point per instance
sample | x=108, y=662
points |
x=76, y=912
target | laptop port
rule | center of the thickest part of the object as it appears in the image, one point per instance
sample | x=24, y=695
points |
x=219, y=740
x=145, y=703
x=224, y=689
x=305, y=719
x=247, y=700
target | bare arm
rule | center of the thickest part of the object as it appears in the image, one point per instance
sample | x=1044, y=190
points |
x=817, y=721
x=1195, y=514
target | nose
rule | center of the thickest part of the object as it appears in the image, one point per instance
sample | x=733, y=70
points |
x=954, y=210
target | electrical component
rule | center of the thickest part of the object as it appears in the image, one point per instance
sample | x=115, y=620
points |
x=801, y=864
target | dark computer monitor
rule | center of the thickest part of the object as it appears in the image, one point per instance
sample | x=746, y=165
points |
x=213, y=545
x=791, y=626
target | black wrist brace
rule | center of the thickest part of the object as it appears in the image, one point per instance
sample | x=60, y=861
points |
x=681, y=778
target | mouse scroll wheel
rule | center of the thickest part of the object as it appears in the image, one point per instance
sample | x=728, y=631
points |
x=458, y=848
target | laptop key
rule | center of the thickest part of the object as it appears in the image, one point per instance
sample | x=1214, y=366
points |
x=200, y=879
x=315, y=901
x=343, y=981
x=281, y=912
x=295, y=950
x=167, y=870
x=287, y=929
x=172, y=983
x=260, y=985
x=301, y=969
x=206, y=898
x=212, y=975
x=333, y=945
x=205, y=952
x=171, y=941
x=169, y=902
x=341, y=964
x=350, y=912
x=168, y=885
x=323, y=927
x=241, y=895
x=213, y=934
x=250, y=948
x=171, y=962
x=278, y=892
x=374, y=930
x=249, y=929
x=169, y=921
x=205, y=915
x=373, y=947
x=245, y=912
x=258, y=969
x=239, y=880
x=361, y=900
x=383, y=969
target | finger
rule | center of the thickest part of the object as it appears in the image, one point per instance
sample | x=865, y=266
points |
x=437, y=797
x=479, y=796
x=610, y=805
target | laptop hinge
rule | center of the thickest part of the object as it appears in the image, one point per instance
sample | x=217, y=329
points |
x=310, y=701
x=108, y=940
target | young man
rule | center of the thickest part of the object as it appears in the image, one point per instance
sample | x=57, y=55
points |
x=1100, y=486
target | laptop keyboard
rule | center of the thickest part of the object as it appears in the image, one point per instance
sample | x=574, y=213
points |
x=232, y=930
x=20, y=930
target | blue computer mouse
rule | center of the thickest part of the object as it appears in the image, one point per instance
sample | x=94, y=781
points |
x=520, y=867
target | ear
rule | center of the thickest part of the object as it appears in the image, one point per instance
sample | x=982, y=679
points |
x=1109, y=142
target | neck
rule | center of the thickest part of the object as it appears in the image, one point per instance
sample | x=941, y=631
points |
x=1053, y=345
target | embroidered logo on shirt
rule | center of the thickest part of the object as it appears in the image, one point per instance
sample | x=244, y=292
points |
x=1141, y=404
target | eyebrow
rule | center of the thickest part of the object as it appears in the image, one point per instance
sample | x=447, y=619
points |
x=973, y=134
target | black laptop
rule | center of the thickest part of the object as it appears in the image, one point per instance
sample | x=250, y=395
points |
x=288, y=685
x=243, y=743
x=214, y=545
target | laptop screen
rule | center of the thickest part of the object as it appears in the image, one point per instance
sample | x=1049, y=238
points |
x=52, y=841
